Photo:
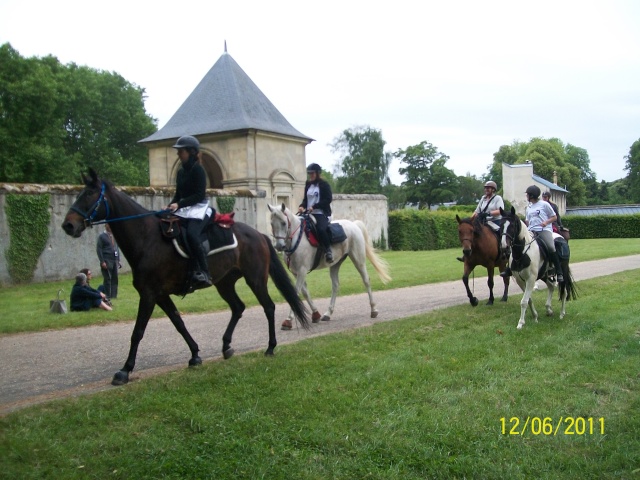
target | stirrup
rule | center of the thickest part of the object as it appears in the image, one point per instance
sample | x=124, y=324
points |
x=506, y=273
x=200, y=280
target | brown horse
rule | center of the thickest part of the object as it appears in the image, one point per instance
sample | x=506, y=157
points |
x=159, y=271
x=480, y=247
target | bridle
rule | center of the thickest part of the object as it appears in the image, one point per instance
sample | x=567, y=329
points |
x=513, y=240
x=288, y=238
x=89, y=216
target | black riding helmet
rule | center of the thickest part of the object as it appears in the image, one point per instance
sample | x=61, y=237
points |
x=533, y=191
x=187, y=141
x=314, y=167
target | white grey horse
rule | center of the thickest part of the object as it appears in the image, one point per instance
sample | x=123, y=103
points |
x=288, y=232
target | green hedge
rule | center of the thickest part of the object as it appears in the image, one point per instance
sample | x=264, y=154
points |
x=603, y=226
x=436, y=230
x=423, y=230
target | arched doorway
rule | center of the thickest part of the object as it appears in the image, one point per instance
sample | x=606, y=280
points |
x=211, y=167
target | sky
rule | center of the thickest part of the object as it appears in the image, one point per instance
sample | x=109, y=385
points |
x=465, y=76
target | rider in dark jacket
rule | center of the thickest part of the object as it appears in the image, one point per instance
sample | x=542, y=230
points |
x=317, y=201
x=190, y=203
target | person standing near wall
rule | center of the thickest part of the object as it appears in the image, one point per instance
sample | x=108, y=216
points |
x=109, y=257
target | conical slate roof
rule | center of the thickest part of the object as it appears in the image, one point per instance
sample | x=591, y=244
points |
x=226, y=99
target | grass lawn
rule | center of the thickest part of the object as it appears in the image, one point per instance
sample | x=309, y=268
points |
x=25, y=308
x=441, y=395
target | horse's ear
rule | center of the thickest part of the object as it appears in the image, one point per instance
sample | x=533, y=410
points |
x=284, y=207
x=513, y=210
x=458, y=218
x=92, y=180
x=270, y=207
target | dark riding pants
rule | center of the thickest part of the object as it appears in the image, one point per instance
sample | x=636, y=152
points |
x=322, y=226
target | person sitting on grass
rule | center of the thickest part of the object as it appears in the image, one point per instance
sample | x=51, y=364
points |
x=84, y=298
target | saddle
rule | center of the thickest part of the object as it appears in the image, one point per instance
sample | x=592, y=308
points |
x=336, y=232
x=336, y=235
x=562, y=250
x=216, y=235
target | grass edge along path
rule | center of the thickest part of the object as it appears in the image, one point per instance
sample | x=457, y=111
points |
x=422, y=397
x=25, y=308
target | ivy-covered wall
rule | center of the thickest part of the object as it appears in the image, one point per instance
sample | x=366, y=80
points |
x=28, y=218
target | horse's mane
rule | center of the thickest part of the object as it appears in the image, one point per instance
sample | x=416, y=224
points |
x=110, y=187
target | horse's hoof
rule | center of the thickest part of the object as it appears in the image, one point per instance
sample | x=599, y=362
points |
x=195, y=361
x=286, y=325
x=519, y=327
x=269, y=353
x=504, y=299
x=120, y=378
x=490, y=302
x=374, y=314
x=325, y=318
x=473, y=301
x=228, y=353
x=315, y=317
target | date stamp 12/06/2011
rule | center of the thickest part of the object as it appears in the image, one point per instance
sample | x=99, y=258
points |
x=551, y=426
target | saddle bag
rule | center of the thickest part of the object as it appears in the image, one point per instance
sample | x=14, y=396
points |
x=562, y=249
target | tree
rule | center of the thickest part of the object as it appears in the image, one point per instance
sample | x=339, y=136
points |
x=363, y=163
x=548, y=156
x=632, y=165
x=58, y=120
x=469, y=190
x=428, y=180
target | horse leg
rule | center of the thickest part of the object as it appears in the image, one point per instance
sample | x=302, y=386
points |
x=505, y=295
x=527, y=302
x=170, y=309
x=315, y=315
x=490, y=285
x=335, y=288
x=465, y=279
x=260, y=290
x=145, y=309
x=362, y=270
x=226, y=289
x=547, y=305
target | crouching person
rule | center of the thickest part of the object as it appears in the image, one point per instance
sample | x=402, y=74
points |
x=84, y=298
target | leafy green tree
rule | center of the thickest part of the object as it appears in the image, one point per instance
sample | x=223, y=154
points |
x=363, y=163
x=632, y=166
x=57, y=120
x=396, y=196
x=428, y=180
x=469, y=190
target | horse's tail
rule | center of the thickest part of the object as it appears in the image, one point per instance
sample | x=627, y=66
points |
x=381, y=265
x=567, y=288
x=284, y=285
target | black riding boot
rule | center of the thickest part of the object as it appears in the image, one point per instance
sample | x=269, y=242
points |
x=328, y=255
x=506, y=272
x=556, y=261
x=200, y=278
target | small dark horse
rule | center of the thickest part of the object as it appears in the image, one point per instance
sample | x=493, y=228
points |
x=480, y=247
x=158, y=271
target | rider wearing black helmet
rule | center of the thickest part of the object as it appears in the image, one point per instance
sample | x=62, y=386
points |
x=190, y=203
x=546, y=196
x=317, y=201
x=539, y=218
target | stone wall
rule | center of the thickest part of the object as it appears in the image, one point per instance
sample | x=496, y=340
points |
x=63, y=256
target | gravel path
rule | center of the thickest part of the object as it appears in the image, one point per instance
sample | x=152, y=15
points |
x=38, y=367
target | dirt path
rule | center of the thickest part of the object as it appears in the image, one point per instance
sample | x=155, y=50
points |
x=38, y=367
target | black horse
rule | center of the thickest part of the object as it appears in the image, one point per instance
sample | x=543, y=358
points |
x=158, y=270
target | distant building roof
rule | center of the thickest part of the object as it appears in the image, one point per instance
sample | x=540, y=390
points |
x=225, y=100
x=604, y=210
x=548, y=184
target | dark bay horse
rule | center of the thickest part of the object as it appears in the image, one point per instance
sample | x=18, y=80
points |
x=159, y=271
x=480, y=247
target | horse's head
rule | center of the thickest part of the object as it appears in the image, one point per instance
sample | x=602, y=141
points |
x=510, y=230
x=90, y=205
x=467, y=234
x=280, y=225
